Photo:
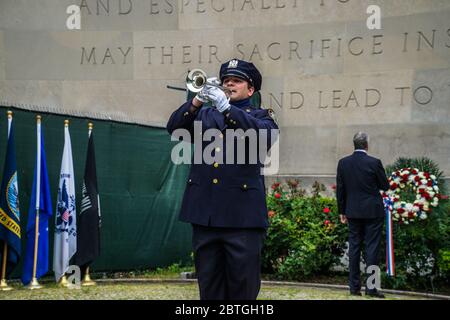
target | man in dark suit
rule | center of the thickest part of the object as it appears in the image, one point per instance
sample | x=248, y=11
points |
x=359, y=180
x=225, y=199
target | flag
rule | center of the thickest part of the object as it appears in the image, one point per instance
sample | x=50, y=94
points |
x=9, y=206
x=88, y=247
x=45, y=212
x=65, y=242
x=390, y=261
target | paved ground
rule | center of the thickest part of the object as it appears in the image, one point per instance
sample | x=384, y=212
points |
x=175, y=291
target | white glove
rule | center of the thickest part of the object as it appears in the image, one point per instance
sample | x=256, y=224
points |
x=218, y=99
x=202, y=95
x=213, y=80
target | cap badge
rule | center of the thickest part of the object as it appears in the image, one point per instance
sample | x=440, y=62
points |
x=233, y=64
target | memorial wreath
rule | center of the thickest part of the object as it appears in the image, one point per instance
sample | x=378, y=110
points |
x=419, y=187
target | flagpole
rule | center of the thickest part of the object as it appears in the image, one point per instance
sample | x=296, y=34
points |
x=3, y=284
x=87, y=281
x=34, y=283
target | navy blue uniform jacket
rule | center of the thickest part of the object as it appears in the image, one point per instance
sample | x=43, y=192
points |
x=359, y=180
x=220, y=194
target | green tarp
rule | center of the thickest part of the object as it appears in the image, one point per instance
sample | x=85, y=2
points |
x=140, y=187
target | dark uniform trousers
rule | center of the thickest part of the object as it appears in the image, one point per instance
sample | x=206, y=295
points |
x=368, y=231
x=227, y=262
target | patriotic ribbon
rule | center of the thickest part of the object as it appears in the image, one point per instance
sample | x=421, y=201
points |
x=390, y=263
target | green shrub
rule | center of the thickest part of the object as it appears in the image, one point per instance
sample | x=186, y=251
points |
x=305, y=236
x=444, y=262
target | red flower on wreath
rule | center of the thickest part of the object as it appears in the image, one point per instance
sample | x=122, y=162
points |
x=277, y=195
x=326, y=210
x=271, y=213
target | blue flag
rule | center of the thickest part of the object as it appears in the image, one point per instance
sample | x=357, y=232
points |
x=9, y=207
x=45, y=212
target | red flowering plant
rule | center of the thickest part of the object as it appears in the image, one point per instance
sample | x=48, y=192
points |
x=294, y=188
x=329, y=224
x=333, y=187
x=279, y=199
x=304, y=235
x=278, y=236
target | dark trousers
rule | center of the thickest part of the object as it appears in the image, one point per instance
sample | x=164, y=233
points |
x=228, y=262
x=368, y=231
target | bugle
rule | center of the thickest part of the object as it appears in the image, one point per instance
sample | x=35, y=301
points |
x=196, y=79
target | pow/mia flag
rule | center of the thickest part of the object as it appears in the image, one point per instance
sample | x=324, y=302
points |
x=88, y=247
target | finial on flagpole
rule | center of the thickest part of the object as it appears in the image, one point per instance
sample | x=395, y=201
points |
x=66, y=123
x=9, y=113
x=90, y=126
x=38, y=118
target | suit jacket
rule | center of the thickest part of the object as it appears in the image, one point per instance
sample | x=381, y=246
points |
x=220, y=194
x=359, y=180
